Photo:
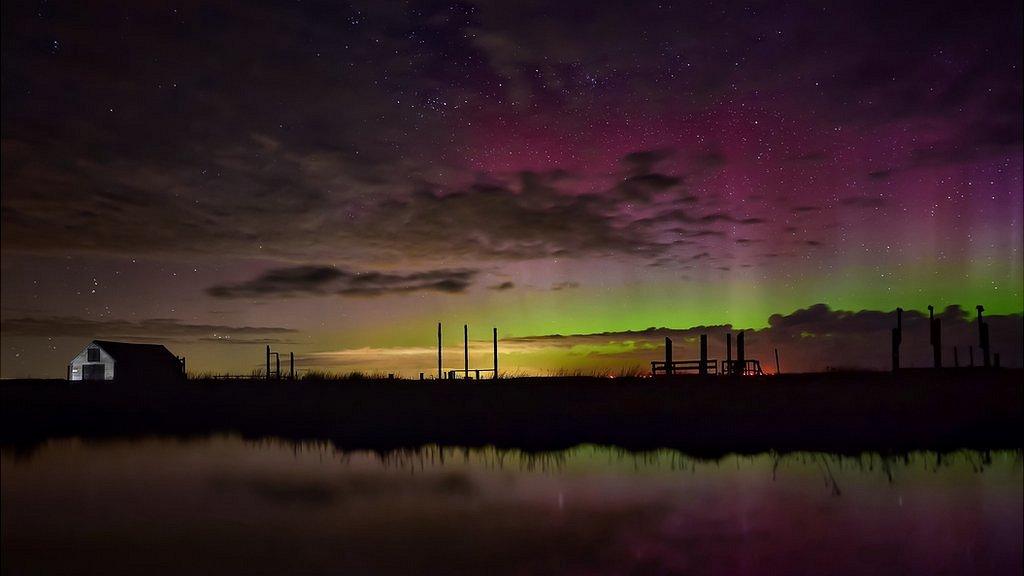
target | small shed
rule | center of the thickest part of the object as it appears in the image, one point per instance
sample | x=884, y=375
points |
x=105, y=360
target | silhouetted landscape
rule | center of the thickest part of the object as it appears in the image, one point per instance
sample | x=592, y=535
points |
x=512, y=287
x=845, y=412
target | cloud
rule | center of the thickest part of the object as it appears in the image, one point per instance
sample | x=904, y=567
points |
x=503, y=286
x=804, y=209
x=523, y=215
x=154, y=329
x=644, y=161
x=322, y=280
x=266, y=150
x=569, y=285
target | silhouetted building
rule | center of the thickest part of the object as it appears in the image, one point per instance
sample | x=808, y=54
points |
x=105, y=360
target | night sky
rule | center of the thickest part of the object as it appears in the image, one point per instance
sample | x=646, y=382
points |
x=335, y=179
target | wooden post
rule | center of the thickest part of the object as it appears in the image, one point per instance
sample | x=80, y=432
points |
x=983, y=343
x=741, y=356
x=495, y=334
x=703, y=366
x=935, y=326
x=728, y=352
x=440, y=373
x=291, y=365
x=277, y=358
x=465, y=345
x=778, y=370
x=897, y=339
x=268, y=362
x=956, y=358
x=669, y=370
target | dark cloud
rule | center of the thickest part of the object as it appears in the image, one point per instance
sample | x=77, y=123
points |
x=262, y=191
x=322, y=280
x=503, y=286
x=804, y=209
x=644, y=161
x=305, y=137
x=155, y=330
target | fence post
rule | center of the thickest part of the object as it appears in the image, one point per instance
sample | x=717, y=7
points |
x=669, y=370
x=983, y=343
x=741, y=356
x=935, y=325
x=703, y=367
x=728, y=352
x=897, y=339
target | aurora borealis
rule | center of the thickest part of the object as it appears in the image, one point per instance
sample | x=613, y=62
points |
x=335, y=179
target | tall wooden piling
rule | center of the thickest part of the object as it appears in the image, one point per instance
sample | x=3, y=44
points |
x=703, y=367
x=268, y=362
x=935, y=325
x=956, y=358
x=465, y=347
x=728, y=352
x=494, y=332
x=897, y=339
x=983, y=342
x=291, y=365
x=741, y=357
x=668, y=356
x=778, y=370
x=440, y=372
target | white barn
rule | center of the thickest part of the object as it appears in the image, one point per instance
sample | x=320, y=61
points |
x=105, y=360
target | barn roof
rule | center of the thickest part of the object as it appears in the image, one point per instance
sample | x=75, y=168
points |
x=143, y=354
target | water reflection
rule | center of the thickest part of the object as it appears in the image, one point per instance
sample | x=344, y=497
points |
x=227, y=505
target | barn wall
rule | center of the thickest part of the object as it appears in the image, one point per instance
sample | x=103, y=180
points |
x=81, y=359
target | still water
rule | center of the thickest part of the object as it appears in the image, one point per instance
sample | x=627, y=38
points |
x=228, y=506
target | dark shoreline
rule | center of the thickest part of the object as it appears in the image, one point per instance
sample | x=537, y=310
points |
x=848, y=413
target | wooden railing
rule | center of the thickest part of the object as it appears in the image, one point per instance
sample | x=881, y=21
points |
x=711, y=366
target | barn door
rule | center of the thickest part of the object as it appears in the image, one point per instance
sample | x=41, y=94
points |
x=92, y=372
